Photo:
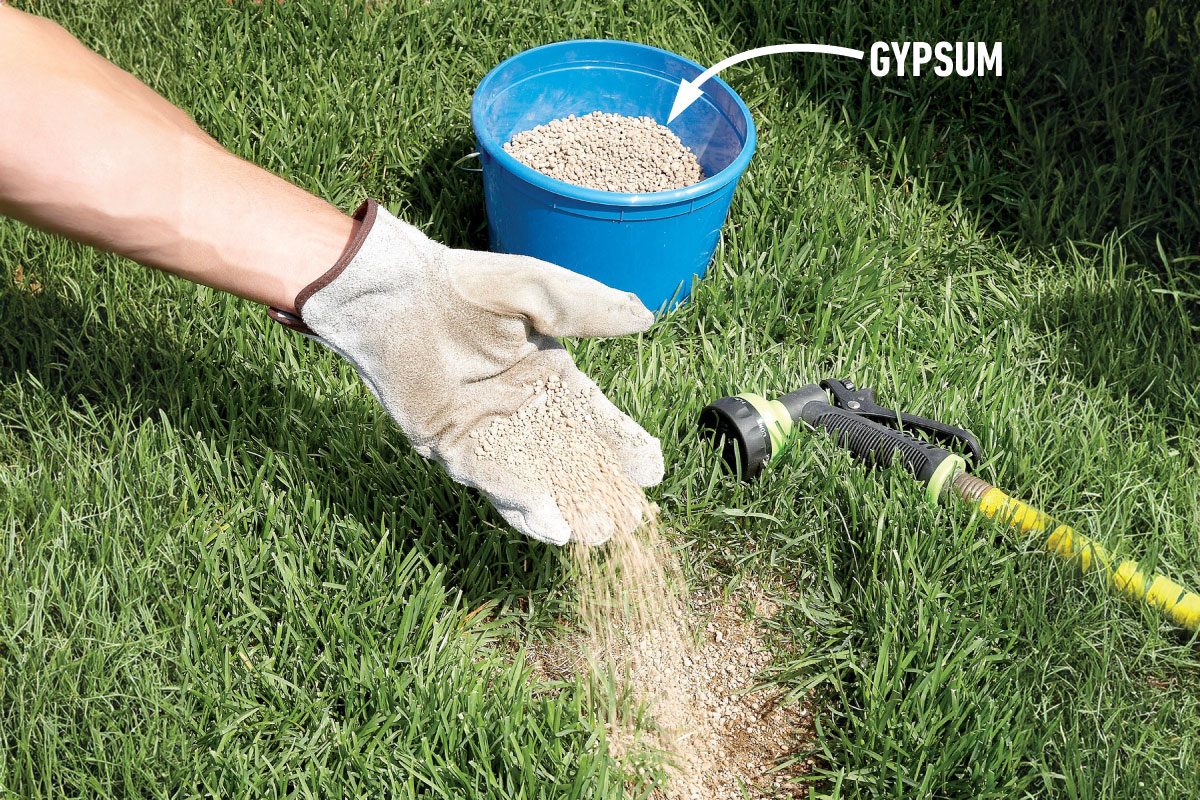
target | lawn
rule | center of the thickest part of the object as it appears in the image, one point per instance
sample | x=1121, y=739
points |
x=224, y=572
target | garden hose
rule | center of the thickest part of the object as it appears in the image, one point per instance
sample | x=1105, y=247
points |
x=1125, y=577
x=751, y=429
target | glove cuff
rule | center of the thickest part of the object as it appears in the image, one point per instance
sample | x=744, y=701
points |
x=366, y=215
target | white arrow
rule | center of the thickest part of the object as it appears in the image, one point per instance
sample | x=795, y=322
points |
x=689, y=91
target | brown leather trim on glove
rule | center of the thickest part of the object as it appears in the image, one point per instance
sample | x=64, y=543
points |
x=365, y=214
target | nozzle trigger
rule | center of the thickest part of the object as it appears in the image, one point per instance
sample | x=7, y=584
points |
x=862, y=402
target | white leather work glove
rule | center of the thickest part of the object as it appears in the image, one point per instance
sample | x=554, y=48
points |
x=449, y=340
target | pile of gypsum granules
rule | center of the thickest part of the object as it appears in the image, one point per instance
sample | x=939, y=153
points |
x=557, y=440
x=610, y=152
x=635, y=619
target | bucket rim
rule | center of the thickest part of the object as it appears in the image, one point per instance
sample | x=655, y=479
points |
x=494, y=148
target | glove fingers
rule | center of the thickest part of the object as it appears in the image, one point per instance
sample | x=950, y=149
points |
x=526, y=506
x=590, y=524
x=556, y=301
x=538, y=518
x=531, y=509
x=638, y=453
x=559, y=505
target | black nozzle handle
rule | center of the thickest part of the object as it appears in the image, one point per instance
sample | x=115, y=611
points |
x=876, y=444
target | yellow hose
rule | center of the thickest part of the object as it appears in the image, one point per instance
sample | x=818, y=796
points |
x=1125, y=577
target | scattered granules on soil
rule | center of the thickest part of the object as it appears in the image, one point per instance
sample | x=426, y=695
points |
x=609, y=152
x=663, y=682
x=717, y=736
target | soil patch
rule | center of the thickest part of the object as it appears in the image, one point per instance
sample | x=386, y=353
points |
x=691, y=671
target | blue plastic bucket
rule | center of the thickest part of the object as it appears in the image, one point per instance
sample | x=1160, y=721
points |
x=654, y=244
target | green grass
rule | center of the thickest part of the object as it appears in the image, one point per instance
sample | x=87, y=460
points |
x=224, y=573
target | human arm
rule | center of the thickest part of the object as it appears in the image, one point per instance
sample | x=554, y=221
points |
x=90, y=152
x=450, y=341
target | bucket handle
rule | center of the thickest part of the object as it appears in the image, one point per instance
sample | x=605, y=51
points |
x=458, y=165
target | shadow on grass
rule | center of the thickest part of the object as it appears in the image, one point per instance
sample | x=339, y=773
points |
x=444, y=197
x=342, y=449
x=1132, y=341
x=1091, y=135
x=1094, y=126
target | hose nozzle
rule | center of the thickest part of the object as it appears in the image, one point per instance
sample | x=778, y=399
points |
x=751, y=429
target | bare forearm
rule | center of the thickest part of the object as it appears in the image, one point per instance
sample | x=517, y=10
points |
x=88, y=151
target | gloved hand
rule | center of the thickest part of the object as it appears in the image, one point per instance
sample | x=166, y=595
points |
x=449, y=340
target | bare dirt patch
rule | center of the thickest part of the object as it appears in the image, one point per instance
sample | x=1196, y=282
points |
x=678, y=678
